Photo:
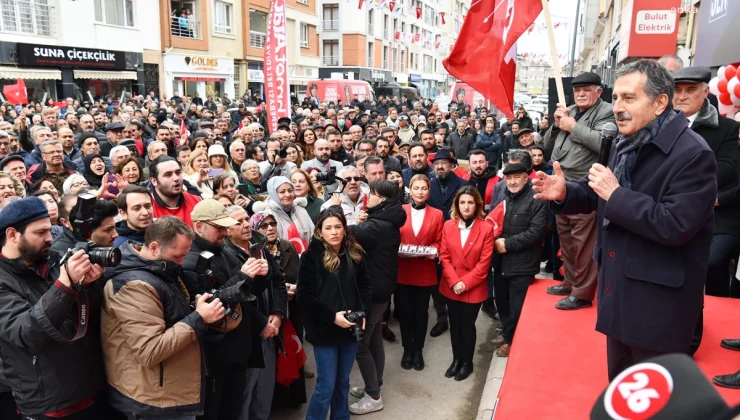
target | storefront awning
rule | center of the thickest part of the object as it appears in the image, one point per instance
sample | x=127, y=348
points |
x=37, y=74
x=105, y=75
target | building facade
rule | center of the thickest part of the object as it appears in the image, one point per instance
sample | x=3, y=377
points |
x=100, y=53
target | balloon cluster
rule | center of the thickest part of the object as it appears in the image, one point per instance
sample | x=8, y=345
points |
x=726, y=85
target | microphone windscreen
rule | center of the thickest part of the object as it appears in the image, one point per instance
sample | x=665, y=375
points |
x=668, y=387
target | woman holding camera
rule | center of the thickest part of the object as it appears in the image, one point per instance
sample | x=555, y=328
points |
x=333, y=284
x=465, y=255
x=417, y=276
x=196, y=173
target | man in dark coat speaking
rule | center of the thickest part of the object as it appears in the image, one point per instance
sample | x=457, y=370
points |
x=655, y=204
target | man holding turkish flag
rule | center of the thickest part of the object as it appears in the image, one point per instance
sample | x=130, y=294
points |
x=16, y=94
x=491, y=29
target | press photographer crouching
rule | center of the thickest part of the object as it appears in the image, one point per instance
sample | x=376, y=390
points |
x=49, y=330
x=147, y=324
x=230, y=344
x=334, y=287
x=89, y=220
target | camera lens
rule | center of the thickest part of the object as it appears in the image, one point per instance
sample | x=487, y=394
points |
x=105, y=257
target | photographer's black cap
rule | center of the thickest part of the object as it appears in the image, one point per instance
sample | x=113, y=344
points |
x=284, y=120
x=22, y=212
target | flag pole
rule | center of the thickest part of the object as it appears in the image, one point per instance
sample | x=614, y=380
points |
x=554, y=53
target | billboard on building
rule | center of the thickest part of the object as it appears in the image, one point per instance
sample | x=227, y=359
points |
x=649, y=28
x=717, y=33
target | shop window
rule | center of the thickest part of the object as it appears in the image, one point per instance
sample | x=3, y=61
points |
x=101, y=89
x=222, y=21
x=115, y=12
x=35, y=88
x=215, y=89
x=304, y=35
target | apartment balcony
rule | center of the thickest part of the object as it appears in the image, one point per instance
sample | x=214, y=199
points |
x=331, y=25
x=387, y=34
x=185, y=27
x=385, y=64
x=257, y=39
x=27, y=18
x=330, y=60
x=370, y=29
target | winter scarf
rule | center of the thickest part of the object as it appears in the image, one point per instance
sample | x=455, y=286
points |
x=628, y=146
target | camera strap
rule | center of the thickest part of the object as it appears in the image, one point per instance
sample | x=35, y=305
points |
x=83, y=314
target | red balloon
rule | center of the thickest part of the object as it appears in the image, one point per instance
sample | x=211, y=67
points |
x=730, y=71
x=737, y=90
x=722, y=85
x=725, y=98
x=738, y=71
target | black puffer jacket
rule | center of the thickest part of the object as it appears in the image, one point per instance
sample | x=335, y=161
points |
x=38, y=315
x=236, y=345
x=525, y=227
x=325, y=293
x=380, y=236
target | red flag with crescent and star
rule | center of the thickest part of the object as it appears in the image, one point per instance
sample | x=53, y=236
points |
x=294, y=237
x=491, y=29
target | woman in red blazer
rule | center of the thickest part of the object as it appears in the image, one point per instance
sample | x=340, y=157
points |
x=467, y=247
x=417, y=277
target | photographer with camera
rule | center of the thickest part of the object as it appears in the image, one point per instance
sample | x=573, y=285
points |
x=334, y=287
x=227, y=354
x=328, y=168
x=146, y=323
x=275, y=163
x=95, y=222
x=49, y=340
x=352, y=198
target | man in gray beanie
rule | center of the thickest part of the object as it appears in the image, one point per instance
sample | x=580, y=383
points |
x=46, y=308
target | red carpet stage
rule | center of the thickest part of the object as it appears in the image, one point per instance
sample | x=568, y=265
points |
x=557, y=366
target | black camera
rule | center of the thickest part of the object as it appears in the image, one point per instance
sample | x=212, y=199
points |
x=356, y=318
x=279, y=152
x=327, y=178
x=232, y=295
x=84, y=212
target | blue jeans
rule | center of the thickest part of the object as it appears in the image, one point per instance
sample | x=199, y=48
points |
x=333, y=366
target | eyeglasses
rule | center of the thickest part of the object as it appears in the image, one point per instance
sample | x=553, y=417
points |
x=268, y=225
x=54, y=152
x=216, y=226
x=80, y=184
x=352, y=178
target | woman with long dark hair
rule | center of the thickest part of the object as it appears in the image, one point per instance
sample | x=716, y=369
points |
x=333, y=284
x=465, y=255
x=307, y=138
x=417, y=276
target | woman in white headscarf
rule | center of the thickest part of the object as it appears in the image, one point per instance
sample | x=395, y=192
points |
x=289, y=210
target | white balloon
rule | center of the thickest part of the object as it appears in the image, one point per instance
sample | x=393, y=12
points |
x=735, y=101
x=721, y=72
x=731, y=85
x=713, y=86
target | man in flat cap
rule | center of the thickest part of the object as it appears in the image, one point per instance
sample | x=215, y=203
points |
x=574, y=141
x=720, y=133
x=114, y=132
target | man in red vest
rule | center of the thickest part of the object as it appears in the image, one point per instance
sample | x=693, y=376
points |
x=481, y=176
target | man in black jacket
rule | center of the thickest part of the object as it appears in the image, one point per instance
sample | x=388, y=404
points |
x=135, y=207
x=385, y=217
x=229, y=356
x=49, y=330
x=518, y=250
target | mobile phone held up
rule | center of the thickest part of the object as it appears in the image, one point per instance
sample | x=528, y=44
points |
x=212, y=173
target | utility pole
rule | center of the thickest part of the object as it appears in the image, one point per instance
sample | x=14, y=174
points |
x=575, y=35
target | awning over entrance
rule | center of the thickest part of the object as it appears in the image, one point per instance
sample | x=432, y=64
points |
x=37, y=74
x=105, y=75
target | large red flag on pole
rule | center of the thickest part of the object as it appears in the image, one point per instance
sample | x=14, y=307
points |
x=277, y=91
x=484, y=55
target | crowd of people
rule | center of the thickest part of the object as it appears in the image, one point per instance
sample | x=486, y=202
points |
x=157, y=254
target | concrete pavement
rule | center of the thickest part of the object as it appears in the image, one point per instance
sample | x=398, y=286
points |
x=427, y=395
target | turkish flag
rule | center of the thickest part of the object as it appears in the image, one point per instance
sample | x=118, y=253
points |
x=294, y=237
x=486, y=33
x=418, y=12
x=292, y=358
x=16, y=94
x=391, y=5
x=398, y=35
x=417, y=37
x=359, y=5
x=442, y=15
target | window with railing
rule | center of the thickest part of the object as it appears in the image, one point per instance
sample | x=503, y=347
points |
x=115, y=12
x=237, y=75
x=304, y=35
x=331, y=53
x=370, y=23
x=386, y=28
x=331, y=17
x=257, y=29
x=370, y=54
x=30, y=17
x=222, y=18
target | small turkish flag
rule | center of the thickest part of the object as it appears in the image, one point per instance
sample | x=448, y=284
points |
x=359, y=5
x=418, y=12
x=417, y=37
x=294, y=237
x=391, y=5
x=398, y=35
x=16, y=94
x=442, y=15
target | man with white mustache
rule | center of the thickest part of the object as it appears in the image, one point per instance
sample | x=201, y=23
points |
x=574, y=141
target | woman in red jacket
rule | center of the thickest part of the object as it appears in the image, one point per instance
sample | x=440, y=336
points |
x=417, y=276
x=467, y=247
